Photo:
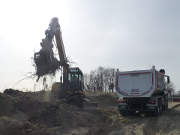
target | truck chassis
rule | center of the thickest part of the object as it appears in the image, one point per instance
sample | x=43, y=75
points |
x=154, y=105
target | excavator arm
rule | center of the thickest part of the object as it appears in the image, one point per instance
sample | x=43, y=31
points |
x=54, y=31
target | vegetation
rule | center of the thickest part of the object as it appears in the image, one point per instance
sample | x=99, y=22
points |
x=100, y=79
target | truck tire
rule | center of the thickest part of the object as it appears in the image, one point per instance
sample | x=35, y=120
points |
x=160, y=105
x=166, y=105
x=157, y=111
x=159, y=108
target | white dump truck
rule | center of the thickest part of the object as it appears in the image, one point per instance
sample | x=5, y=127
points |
x=142, y=91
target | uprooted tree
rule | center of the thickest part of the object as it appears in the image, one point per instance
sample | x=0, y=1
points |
x=45, y=61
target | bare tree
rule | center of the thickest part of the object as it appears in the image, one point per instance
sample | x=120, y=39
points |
x=101, y=79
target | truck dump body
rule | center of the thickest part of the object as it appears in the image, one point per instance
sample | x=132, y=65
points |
x=142, y=90
x=135, y=83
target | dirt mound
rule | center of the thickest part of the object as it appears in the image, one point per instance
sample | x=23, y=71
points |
x=27, y=113
x=47, y=117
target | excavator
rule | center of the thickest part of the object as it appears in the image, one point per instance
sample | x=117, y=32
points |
x=71, y=82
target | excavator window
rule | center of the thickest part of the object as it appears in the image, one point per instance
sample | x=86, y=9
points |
x=71, y=76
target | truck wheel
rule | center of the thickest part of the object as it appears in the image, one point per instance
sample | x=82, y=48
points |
x=156, y=111
x=166, y=106
x=159, y=108
x=166, y=103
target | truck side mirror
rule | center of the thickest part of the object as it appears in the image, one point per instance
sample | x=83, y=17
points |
x=168, y=80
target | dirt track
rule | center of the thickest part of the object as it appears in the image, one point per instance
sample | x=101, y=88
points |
x=166, y=124
x=33, y=114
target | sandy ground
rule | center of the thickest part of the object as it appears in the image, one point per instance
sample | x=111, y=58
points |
x=166, y=124
x=35, y=114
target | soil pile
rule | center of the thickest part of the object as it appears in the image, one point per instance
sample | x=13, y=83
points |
x=30, y=113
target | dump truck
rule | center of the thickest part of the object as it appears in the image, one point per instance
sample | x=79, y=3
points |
x=142, y=91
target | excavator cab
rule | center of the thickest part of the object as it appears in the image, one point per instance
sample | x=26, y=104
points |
x=70, y=89
x=75, y=78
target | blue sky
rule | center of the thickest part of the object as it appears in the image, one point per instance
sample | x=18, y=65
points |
x=124, y=34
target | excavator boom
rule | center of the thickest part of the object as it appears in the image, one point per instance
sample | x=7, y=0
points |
x=54, y=31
